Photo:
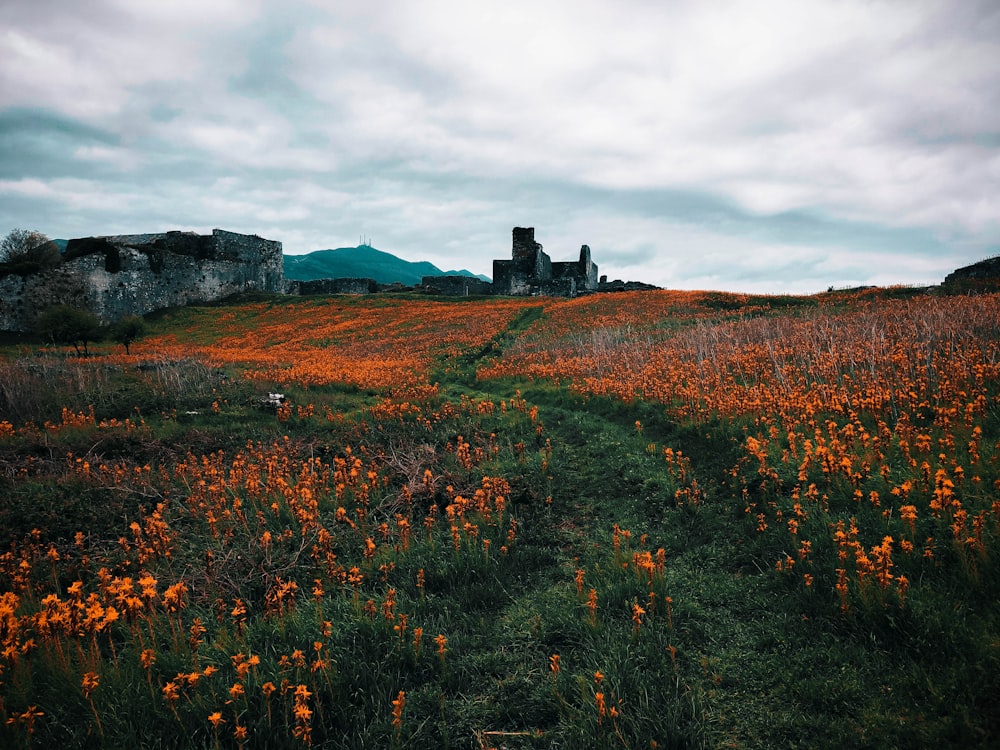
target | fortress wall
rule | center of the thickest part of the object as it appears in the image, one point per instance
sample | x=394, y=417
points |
x=137, y=274
x=457, y=286
x=336, y=286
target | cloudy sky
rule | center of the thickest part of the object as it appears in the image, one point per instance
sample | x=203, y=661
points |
x=746, y=145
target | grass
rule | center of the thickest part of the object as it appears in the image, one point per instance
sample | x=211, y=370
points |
x=622, y=545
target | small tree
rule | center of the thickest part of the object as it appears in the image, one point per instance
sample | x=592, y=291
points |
x=127, y=330
x=23, y=247
x=63, y=324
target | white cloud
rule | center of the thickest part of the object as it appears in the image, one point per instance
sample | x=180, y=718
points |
x=119, y=158
x=31, y=188
x=639, y=95
x=436, y=126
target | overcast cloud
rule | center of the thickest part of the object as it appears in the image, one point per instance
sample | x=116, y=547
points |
x=746, y=145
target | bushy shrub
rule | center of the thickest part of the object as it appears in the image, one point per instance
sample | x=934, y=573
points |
x=127, y=330
x=27, y=251
x=63, y=324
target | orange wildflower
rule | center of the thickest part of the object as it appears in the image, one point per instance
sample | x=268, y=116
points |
x=90, y=682
x=637, y=613
x=397, y=710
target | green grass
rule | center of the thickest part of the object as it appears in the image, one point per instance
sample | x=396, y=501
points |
x=759, y=660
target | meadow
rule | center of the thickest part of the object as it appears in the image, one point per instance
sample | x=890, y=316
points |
x=641, y=520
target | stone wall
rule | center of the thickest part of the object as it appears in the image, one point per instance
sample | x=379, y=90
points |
x=623, y=286
x=456, y=286
x=530, y=270
x=523, y=245
x=136, y=274
x=563, y=287
x=582, y=271
x=529, y=265
x=333, y=286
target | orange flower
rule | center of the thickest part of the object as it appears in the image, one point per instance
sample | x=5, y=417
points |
x=171, y=692
x=90, y=683
x=148, y=584
x=173, y=597
x=637, y=613
x=302, y=712
x=29, y=717
x=397, y=710
x=579, y=581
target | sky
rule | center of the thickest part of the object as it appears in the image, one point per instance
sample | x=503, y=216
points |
x=769, y=146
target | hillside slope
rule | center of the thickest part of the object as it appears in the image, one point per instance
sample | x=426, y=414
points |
x=363, y=261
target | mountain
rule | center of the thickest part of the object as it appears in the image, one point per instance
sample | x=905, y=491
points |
x=363, y=262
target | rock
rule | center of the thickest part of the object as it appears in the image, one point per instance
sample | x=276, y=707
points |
x=984, y=270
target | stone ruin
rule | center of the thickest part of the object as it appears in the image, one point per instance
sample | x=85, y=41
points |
x=529, y=272
x=135, y=274
x=532, y=272
x=341, y=285
x=456, y=286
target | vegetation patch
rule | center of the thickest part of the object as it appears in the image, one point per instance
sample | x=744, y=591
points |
x=659, y=519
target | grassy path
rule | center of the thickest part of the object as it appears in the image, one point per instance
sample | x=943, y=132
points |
x=758, y=672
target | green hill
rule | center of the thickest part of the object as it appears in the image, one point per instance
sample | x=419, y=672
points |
x=364, y=262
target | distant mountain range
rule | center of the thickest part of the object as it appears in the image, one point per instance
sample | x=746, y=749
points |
x=363, y=262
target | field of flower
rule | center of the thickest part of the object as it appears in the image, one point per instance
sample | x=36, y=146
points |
x=658, y=519
x=883, y=410
x=382, y=344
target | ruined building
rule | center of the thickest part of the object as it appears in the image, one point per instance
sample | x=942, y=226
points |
x=456, y=286
x=135, y=274
x=531, y=271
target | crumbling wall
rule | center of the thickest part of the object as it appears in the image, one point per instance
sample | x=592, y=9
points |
x=531, y=271
x=588, y=269
x=511, y=280
x=623, y=286
x=136, y=274
x=528, y=268
x=457, y=286
x=334, y=286
x=563, y=287
x=529, y=256
x=582, y=271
